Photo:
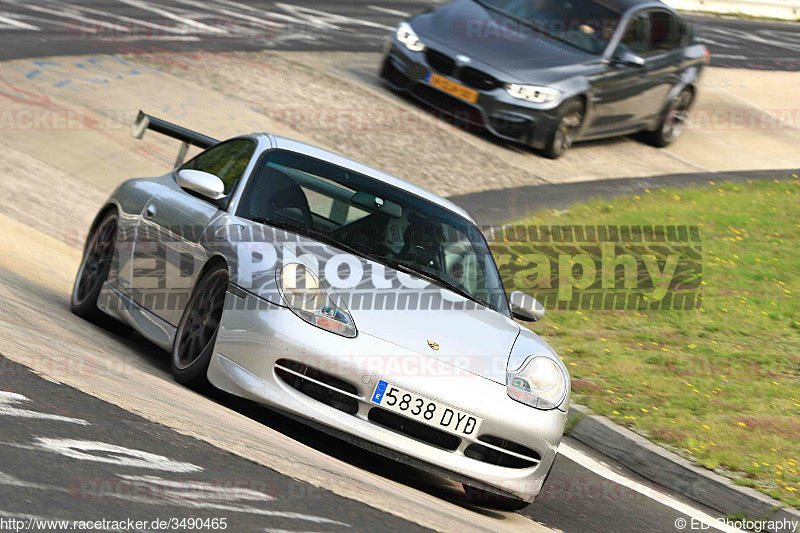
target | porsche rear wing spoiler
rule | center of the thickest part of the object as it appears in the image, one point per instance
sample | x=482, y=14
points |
x=146, y=122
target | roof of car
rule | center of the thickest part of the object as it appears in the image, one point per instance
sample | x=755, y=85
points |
x=286, y=143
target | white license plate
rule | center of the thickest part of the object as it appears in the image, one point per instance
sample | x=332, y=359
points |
x=422, y=409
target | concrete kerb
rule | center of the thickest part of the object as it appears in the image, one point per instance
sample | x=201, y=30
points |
x=672, y=471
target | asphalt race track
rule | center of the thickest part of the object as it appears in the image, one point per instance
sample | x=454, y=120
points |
x=69, y=456
x=66, y=455
x=55, y=27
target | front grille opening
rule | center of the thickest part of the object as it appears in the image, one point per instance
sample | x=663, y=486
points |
x=413, y=429
x=478, y=80
x=470, y=76
x=440, y=62
x=494, y=457
x=330, y=397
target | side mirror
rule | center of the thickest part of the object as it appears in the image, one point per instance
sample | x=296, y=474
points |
x=203, y=183
x=526, y=307
x=626, y=57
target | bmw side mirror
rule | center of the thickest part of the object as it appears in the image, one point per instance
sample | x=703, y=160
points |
x=202, y=183
x=525, y=307
x=626, y=57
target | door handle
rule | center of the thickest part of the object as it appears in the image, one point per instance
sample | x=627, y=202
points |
x=150, y=211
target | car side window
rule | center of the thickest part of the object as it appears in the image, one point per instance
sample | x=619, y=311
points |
x=227, y=161
x=653, y=32
x=636, y=34
x=665, y=32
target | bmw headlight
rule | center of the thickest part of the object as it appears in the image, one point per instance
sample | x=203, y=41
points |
x=533, y=93
x=405, y=34
x=310, y=300
x=540, y=382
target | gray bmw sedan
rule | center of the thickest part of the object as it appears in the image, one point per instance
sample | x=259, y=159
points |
x=546, y=73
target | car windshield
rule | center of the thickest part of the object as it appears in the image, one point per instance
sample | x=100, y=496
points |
x=376, y=220
x=585, y=24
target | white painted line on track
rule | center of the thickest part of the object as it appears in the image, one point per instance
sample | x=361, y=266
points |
x=389, y=11
x=651, y=492
x=136, y=38
x=69, y=14
x=233, y=14
x=11, y=481
x=238, y=5
x=186, y=504
x=686, y=161
x=736, y=36
x=86, y=450
x=706, y=40
x=50, y=22
x=199, y=490
x=9, y=401
x=139, y=22
x=314, y=16
x=146, y=6
x=11, y=23
x=269, y=14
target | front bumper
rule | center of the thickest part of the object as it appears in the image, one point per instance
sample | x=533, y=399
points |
x=257, y=339
x=495, y=110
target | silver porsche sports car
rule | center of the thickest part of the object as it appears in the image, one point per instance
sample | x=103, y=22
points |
x=350, y=299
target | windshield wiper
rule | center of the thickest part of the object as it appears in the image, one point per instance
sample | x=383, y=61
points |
x=431, y=278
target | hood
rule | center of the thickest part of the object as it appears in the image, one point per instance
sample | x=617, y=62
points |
x=516, y=52
x=411, y=311
x=476, y=340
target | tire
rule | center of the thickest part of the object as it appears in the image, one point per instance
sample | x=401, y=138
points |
x=566, y=129
x=494, y=501
x=672, y=122
x=98, y=256
x=197, y=330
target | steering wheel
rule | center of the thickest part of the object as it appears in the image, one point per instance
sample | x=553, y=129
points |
x=305, y=211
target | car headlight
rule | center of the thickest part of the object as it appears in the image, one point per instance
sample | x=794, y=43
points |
x=406, y=35
x=308, y=298
x=540, y=382
x=533, y=93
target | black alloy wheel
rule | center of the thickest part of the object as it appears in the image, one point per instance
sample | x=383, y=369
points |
x=197, y=332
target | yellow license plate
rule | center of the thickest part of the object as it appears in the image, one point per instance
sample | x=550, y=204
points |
x=451, y=87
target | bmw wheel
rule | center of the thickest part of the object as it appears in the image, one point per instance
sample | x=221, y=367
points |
x=673, y=122
x=197, y=331
x=566, y=130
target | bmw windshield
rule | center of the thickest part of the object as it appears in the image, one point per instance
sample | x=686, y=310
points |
x=585, y=24
x=375, y=220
